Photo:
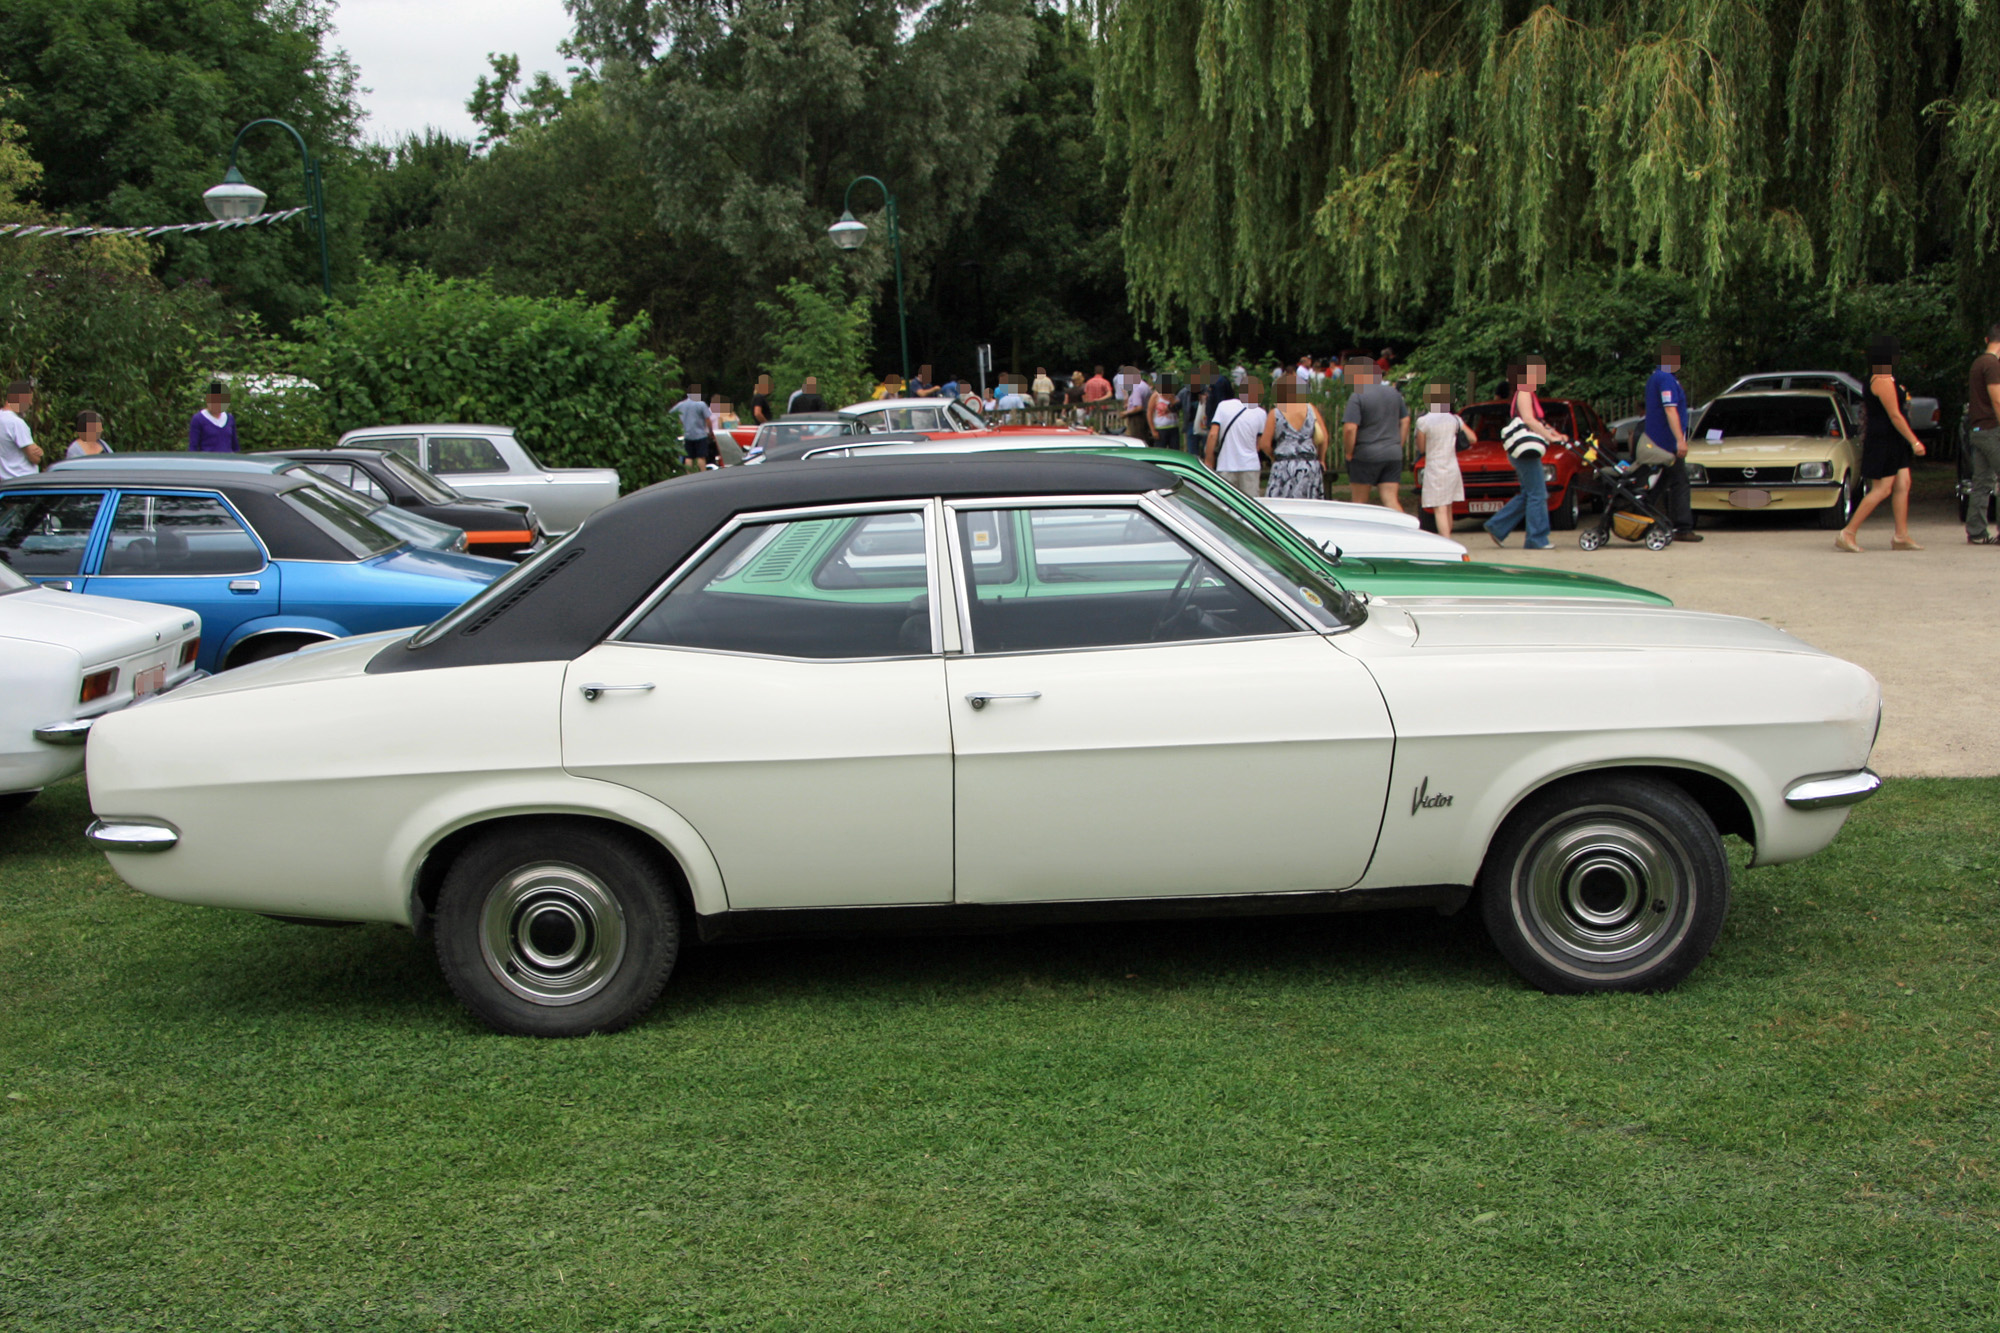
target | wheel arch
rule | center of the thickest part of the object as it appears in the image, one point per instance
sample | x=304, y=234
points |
x=1730, y=809
x=312, y=630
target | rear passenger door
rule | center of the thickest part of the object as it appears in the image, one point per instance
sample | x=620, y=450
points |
x=187, y=549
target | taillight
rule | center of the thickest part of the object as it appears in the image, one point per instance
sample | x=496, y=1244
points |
x=98, y=685
x=190, y=650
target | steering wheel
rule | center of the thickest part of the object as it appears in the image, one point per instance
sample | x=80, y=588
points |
x=1178, y=602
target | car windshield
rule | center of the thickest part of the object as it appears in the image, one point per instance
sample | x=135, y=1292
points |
x=1740, y=418
x=428, y=488
x=340, y=520
x=1487, y=420
x=1315, y=596
x=10, y=581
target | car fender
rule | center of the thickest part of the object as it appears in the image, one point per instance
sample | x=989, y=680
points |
x=509, y=796
x=312, y=625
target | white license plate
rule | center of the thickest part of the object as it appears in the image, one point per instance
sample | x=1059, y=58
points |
x=150, y=681
x=1484, y=506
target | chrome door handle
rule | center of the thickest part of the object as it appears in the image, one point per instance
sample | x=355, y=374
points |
x=592, y=690
x=982, y=698
x=60, y=585
x=245, y=585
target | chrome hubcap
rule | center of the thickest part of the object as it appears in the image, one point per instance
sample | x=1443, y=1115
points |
x=552, y=934
x=1604, y=891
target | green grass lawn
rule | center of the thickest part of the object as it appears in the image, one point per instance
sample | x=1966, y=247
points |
x=214, y=1121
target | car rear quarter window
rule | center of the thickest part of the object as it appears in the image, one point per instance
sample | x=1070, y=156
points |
x=465, y=453
x=43, y=535
x=178, y=534
x=344, y=523
x=409, y=446
x=839, y=587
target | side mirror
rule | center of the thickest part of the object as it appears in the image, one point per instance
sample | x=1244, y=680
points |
x=1332, y=551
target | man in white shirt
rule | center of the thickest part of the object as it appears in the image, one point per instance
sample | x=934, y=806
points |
x=1232, y=440
x=20, y=456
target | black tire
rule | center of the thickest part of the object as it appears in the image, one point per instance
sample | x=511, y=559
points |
x=17, y=800
x=1834, y=517
x=1593, y=537
x=1564, y=516
x=1659, y=537
x=1614, y=883
x=551, y=928
x=1426, y=520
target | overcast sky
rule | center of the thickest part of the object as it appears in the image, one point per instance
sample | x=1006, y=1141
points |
x=420, y=58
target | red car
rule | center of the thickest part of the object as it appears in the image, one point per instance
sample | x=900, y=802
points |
x=1489, y=478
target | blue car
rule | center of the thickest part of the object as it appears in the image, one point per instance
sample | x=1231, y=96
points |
x=270, y=560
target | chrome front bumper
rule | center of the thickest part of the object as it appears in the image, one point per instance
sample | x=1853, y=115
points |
x=74, y=732
x=1834, y=789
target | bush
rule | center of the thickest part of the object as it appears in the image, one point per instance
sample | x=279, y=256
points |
x=578, y=389
x=818, y=333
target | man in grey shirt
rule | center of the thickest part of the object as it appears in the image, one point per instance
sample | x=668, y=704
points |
x=1374, y=429
x=697, y=439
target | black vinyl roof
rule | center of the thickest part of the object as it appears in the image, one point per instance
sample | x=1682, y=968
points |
x=570, y=600
x=286, y=533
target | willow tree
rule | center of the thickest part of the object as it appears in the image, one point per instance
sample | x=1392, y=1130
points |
x=1342, y=157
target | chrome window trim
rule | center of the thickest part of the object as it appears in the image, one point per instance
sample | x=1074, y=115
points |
x=1148, y=504
x=116, y=494
x=749, y=518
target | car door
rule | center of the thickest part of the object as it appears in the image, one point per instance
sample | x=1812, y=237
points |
x=188, y=549
x=45, y=535
x=474, y=465
x=1134, y=718
x=785, y=695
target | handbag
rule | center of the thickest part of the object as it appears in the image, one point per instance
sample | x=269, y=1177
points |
x=1522, y=440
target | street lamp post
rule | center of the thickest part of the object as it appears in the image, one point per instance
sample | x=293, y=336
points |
x=848, y=233
x=238, y=198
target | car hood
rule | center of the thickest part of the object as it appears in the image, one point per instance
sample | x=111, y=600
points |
x=1758, y=449
x=1399, y=579
x=1538, y=623
x=99, y=629
x=1341, y=509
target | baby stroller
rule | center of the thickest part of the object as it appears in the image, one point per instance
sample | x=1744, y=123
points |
x=1629, y=508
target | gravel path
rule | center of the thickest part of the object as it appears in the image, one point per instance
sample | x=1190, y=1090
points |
x=1926, y=623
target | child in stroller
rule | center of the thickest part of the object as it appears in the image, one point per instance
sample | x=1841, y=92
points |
x=1630, y=507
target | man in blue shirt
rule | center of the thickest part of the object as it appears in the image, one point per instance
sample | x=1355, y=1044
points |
x=1666, y=437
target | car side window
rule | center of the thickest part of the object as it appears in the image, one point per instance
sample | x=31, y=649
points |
x=465, y=453
x=838, y=587
x=178, y=534
x=409, y=446
x=44, y=536
x=357, y=479
x=1091, y=577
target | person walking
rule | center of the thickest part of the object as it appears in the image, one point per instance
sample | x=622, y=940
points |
x=1163, y=413
x=697, y=436
x=1072, y=395
x=1527, y=436
x=1232, y=440
x=20, y=456
x=1441, y=434
x=1097, y=393
x=1138, y=394
x=1982, y=441
x=1295, y=439
x=1663, y=440
x=213, y=429
x=89, y=441
x=1888, y=448
x=1374, y=428
x=1044, y=388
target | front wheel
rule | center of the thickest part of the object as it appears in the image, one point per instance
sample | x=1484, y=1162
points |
x=1593, y=537
x=1834, y=517
x=554, y=929
x=1659, y=537
x=1613, y=883
x=1564, y=516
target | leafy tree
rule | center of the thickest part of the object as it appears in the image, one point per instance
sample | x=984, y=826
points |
x=130, y=106
x=817, y=331
x=1340, y=155
x=755, y=117
x=411, y=180
x=579, y=388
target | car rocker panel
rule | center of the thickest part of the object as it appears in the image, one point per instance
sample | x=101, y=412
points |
x=998, y=665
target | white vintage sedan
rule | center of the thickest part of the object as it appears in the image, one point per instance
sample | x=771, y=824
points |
x=915, y=692
x=67, y=659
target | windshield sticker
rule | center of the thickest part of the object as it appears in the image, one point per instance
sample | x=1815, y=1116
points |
x=1311, y=596
x=980, y=537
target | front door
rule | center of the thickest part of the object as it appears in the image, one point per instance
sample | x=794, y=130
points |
x=45, y=535
x=187, y=550
x=1133, y=721
x=786, y=697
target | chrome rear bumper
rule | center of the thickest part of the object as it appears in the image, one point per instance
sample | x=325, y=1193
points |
x=1833, y=789
x=132, y=835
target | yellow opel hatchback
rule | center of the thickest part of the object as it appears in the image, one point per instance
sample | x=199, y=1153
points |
x=1797, y=449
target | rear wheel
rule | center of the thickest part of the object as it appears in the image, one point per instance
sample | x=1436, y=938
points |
x=1614, y=883
x=555, y=929
x=1659, y=537
x=1834, y=517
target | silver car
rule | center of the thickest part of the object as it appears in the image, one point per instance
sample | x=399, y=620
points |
x=488, y=462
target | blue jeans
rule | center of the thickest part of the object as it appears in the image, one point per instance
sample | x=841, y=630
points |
x=1531, y=502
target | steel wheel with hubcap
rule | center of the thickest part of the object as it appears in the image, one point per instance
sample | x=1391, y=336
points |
x=554, y=929
x=1834, y=517
x=1613, y=883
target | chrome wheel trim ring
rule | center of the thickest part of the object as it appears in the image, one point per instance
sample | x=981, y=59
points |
x=552, y=934
x=1603, y=892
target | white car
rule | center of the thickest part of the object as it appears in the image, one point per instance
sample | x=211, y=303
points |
x=67, y=660
x=487, y=462
x=946, y=692
x=920, y=414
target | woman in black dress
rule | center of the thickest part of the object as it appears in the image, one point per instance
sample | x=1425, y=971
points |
x=1888, y=447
